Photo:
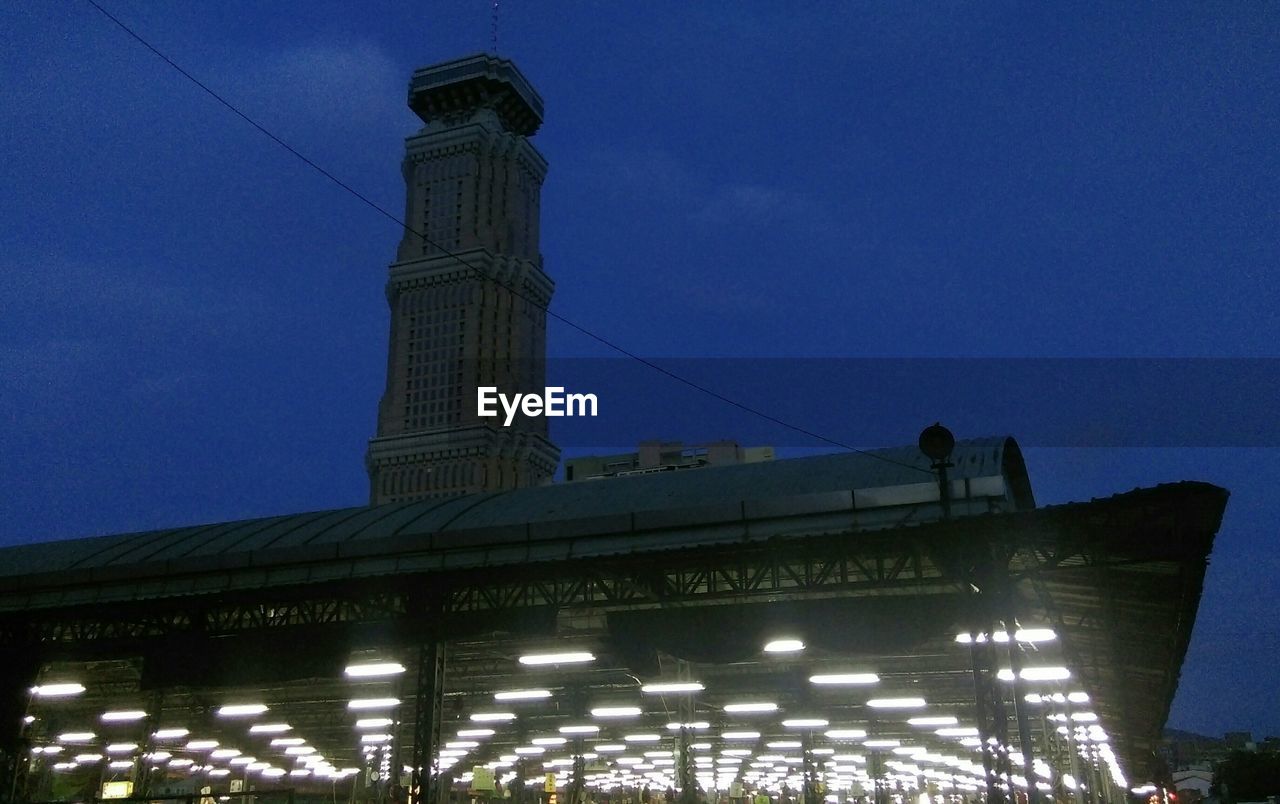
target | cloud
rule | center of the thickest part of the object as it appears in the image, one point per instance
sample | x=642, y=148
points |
x=333, y=85
x=660, y=180
x=759, y=205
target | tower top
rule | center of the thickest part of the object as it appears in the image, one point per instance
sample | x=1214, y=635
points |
x=481, y=81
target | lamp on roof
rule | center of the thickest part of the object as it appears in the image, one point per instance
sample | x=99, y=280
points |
x=937, y=443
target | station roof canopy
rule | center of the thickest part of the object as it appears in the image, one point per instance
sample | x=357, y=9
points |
x=676, y=577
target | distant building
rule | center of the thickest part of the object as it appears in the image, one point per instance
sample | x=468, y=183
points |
x=663, y=456
x=1192, y=785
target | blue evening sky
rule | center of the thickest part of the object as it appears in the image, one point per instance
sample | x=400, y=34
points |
x=193, y=326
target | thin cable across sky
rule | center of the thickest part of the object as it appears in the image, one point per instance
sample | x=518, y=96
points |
x=601, y=339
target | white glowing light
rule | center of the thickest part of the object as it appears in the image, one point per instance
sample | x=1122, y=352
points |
x=374, y=670
x=572, y=657
x=662, y=687
x=897, y=703
x=270, y=728
x=57, y=690
x=241, y=710
x=846, y=734
x=521, y=695
x=740, y=735
x=783, y=646
x=939, y=720
x=373, y=703
x=845, y=678
x=171, y=734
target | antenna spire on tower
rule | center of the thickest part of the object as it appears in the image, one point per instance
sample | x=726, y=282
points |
x=494, y=28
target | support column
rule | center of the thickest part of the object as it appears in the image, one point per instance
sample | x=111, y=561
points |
x=17, y=675
x=428, y=708
x=684, y=765
x=981, y=704
x=1025, y=743
x=811, y=793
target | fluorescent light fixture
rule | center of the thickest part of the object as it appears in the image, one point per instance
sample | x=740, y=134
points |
x=740, y=735
x=171, y=734
x=960, y=731
x=202, y=745
x=881, y=743
x=583, y=729
x=76, y=737
x=697, y=725
x=273, y=772
x=121, y=748
x=241, y=710
x=846, y=734
x=219, y=772
x=521, y=695
x=572, y=657
x=1078, y=697
x=270, y=728
x=303, y=750
x=642, y=738
x=374, y=670
x=752, y=707
x=373, y=703
x=225, y=753
x=529, y=750
x=57, y=690
x=845, y=678
x=374, y=722
x=300, y=772
x=804, y=723
x=120, y=764
x=897, y=703
x=492, y=717
x=778, y=744
x=783, y=646
x=939, y=720
x=288, y=741
x=1033, y=635
x=123, y=716
x=182, y=763
x=1045, y=673
x=1036, y=674
x=548, y=741
x=661, y=687
x=616, y=711
x=243, y=760
x=88, y=758
x=611, y=748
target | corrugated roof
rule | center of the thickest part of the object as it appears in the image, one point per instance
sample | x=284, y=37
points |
x=572, y=507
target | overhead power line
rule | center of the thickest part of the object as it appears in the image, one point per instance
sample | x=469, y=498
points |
x=514, y=291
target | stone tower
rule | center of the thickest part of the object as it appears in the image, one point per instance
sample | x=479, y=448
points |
x=468, y=300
